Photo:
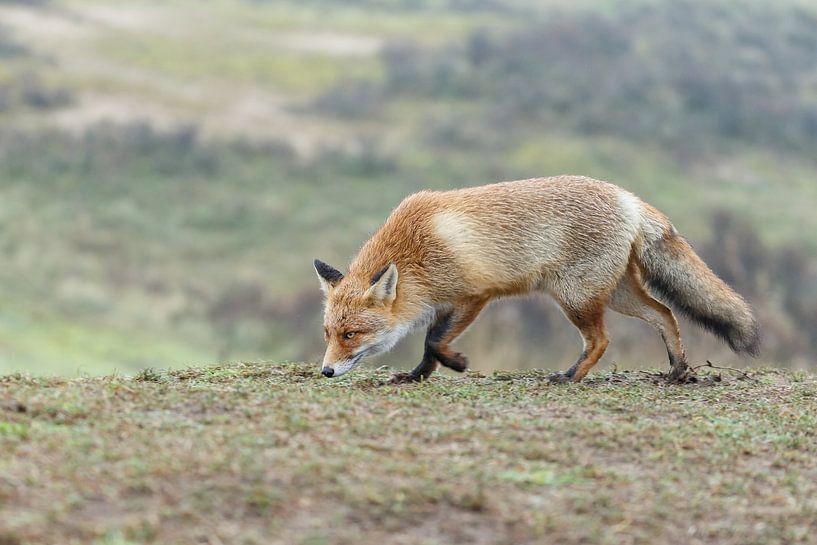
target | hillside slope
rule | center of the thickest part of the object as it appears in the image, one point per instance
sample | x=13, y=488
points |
x=270, y=453
x=168, y=171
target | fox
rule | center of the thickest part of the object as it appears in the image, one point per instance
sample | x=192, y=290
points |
x=442, y=256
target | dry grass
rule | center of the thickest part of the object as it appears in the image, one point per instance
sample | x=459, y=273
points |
x=270, y=453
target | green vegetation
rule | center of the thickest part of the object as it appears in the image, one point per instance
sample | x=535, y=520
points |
x=640, y=73
x=254, y=453
x=168, y=171
x=183, y=57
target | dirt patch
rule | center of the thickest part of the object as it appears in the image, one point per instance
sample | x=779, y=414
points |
x=331, y=43
x=121, y=17
x=112, y=109
x=42, y=27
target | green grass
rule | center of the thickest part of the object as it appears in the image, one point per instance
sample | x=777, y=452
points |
x=427, y=26
x=259, y=453
x=218, y=58
x=119, y=247
x=45, y=344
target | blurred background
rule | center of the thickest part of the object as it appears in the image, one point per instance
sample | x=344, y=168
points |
x=168, y=170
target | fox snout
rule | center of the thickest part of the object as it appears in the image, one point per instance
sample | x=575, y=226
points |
x=339, y=368
x=340, y=359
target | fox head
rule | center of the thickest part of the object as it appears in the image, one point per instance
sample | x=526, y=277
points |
x=358, y=319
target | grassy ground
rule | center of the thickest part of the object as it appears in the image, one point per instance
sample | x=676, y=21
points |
x=270, y=453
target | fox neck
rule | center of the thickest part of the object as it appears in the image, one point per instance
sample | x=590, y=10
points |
x=421, y=317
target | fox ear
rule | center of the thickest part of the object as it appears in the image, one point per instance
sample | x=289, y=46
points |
x=328, y=275
x=383, y=287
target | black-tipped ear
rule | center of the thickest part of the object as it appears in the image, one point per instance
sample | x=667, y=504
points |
x=328, y=275
x=379, y=275
x=383, y=287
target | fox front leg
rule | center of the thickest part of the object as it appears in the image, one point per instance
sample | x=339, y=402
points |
x=429, y=363
x=447, y=326
x=439, y=335
x=423, y=370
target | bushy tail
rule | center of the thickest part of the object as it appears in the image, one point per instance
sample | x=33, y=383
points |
x=673, y=269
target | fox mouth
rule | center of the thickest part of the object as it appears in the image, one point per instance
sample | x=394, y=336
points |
x=342, y=367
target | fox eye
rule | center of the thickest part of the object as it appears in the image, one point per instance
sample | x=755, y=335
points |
x=349, y=334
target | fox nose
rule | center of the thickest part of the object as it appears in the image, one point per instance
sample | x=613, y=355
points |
x=327, y=371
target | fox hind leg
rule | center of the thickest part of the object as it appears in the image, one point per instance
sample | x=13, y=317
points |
x=590, y=322
x=632, y=299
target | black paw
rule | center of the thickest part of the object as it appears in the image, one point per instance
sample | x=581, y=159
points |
x=405, y=378
x=559, y=378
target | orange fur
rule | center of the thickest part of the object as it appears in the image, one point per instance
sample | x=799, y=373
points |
x=440, y=257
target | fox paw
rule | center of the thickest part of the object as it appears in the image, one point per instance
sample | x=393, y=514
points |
x=559, y=378
x=405, y=378
x=681, y=375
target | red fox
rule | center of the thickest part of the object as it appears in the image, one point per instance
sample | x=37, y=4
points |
x=442, y=256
